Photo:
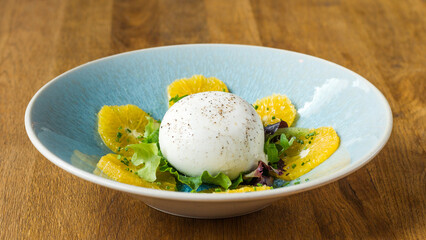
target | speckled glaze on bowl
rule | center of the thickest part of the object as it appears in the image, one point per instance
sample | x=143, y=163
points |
x=61, y=118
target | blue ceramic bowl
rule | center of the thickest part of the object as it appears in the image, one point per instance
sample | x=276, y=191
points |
x=61, y=118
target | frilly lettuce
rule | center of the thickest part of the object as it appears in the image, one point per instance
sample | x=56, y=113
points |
x=194, y=182
x=151, y=131
x=146, y=154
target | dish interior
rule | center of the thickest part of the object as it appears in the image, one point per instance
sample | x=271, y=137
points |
x=63, y=115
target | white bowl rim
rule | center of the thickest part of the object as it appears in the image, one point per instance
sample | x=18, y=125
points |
x=206, y=197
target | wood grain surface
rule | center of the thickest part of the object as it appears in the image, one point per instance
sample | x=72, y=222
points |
x=383, y=40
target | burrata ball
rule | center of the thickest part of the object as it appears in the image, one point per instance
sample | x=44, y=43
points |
x=214, y=132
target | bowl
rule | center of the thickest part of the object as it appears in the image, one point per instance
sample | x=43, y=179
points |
x=61, y=119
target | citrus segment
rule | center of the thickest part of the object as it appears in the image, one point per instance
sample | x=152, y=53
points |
x=309, y=151
x=121, y=169
x=274, y=108
x=120, y=126
x=194, y=84
x=243, y=189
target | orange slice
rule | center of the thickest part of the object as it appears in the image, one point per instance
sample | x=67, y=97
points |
x=121, y=169
x=274, y=108
x=194, y=84
x=243, y=189
x=120, y=126
x=309, y=151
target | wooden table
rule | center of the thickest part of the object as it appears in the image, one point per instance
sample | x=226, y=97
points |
x=382, y=40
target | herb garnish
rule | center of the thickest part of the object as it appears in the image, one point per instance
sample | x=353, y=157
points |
x=119, y=135
x=125, y=161
x=176, y=98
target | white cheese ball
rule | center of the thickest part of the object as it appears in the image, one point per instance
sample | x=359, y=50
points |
x=213, y=131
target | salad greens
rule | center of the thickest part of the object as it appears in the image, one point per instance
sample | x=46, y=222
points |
x=152, y=130
x=195, y=182
x=276, y=141
x=146, y=154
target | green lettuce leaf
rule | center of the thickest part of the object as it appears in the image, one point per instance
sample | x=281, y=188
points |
x=236, y=181
x=195, y=182
x=272, y=152
x=192, y=182
x=146, y=154
x=152, y=130
x=285, y=143
x=220, y=179
x=275, y=150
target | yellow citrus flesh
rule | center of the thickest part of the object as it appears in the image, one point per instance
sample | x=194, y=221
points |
x=194, y=84
x=122, y=170
x=243, y=189
x=301, y=158
x=120, y=126
x=274, y=108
